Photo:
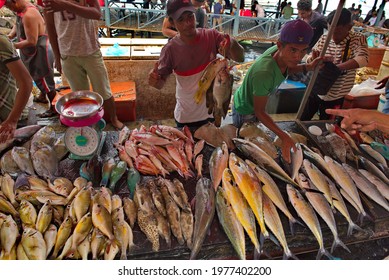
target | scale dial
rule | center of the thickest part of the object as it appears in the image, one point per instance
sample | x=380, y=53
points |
x=82, y=141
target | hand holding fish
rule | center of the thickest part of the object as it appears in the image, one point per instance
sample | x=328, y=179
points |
x=7, y=130
x=224, y=47
x=287, y=145
x=156, y=80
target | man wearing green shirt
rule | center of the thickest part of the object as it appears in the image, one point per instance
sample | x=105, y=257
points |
x=287, y=11
x=267, y=73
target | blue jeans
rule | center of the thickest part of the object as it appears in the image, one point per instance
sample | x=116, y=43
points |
x=238, y=119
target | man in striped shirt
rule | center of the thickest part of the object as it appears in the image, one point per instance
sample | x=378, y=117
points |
x=356, y=57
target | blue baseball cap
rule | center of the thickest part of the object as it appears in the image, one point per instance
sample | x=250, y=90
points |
x=296, y=32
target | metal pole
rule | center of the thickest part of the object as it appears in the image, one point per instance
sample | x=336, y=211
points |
x=325, y=7
x=323, y=52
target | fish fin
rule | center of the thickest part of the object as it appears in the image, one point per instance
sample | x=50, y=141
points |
x=353, y=226
x=292, y=222
x=257, y=254
x=123, y=256
x=261, y=240
x=288, y=255
x=324, y=252
x=339, y=242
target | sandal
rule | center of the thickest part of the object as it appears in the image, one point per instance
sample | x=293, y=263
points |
x=47, y=114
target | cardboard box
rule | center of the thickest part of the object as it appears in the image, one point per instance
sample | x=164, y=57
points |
x=124, y=94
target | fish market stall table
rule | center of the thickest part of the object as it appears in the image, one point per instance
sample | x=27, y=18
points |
x=216, y=244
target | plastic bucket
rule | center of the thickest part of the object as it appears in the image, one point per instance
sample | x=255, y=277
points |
x=381, y=103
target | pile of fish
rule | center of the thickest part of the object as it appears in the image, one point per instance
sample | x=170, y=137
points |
x=216, y=85
x=160, y=150
x=59, y=220
x=39, y=156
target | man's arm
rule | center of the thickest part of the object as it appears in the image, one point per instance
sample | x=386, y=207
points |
x=166, y=29
x=30, y=25
x=91, y=11
x=260, y=113
x=24, y=82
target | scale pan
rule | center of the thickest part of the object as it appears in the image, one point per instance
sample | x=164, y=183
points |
x=79, y=105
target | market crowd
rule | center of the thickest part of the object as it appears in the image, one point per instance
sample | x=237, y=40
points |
x=63, y=34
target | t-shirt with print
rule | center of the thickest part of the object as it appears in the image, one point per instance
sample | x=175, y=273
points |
x=7, y=82
x=188, y=62
x=77, y=36
x=262, y=78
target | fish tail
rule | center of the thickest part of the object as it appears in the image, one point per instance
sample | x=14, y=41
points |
x=339, y=242
x=352, y=226
x=292, y=222
x=288, y=254
x=274, y=239
x=323, y=252
x=123, y=256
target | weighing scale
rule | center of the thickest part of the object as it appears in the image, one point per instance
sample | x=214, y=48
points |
x=82, y=113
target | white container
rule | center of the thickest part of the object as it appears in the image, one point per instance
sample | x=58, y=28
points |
x=381, y=102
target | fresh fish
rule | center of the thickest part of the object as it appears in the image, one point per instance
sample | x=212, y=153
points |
x=250, y=186
x=163, y=228
x=341, y=207
x=133, y=178
x=20, y=253
x=8, y=164
x=7, y=208
x=297, y=138
x=374, y=154
x=61, y=186
x=297, y=160
x=63, y=234
x=366, y=187
x=7, y=187
x=157, y=197
x=187, y=222
x=8, y=234
x=307, y=214
x=33, y=244
x=177, y=192
x=204, y=213
x=28, y=214
x=255, y=153
x=116, y=202
x=80, y=232
x=208, y=76
x=110, y=251
x=122, y=234
x=173, y=214
x=148, y=225
x=59, y=148
x=231, y=225
x=214, y=136
x=381, y=148
x=23, y=133
x=84, y=248
x=346, y=183
x=130, y=210
x=182, y=194
x=366, y=138
x=369, y=166
x=273, y=221
x=319, y=180
x=106, y=172
x=381, y=186
x=241, y=209
x=49, y=237
x=251, y=130
x=98, y=242
x=272, y=191
x=103, y=198
x=217, y=163
x=101, y=220
x=199, y=165
x=45, y=216
x=218, y=99
x=21, y=156
x=199, y=146
x=44, y=160
x=117, y=172
x=81, y=202
x=46, y=135
x=321, y=206
x=318, y=160
x=124, y=134
x=265, y=145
